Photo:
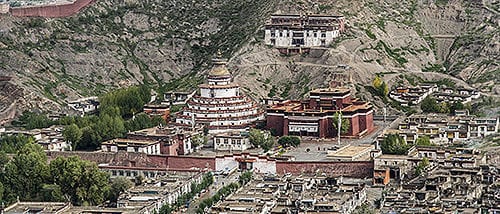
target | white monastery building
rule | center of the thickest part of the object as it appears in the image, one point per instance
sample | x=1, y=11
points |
x=288, y=31
x=220, y=105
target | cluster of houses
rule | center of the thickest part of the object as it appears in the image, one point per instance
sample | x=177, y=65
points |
x=86, y=105
x=154, y=141
x=155, y=193
x=294, y=194
x=146, y=198
x=413, y=95
x=51, y=139
x=444, y=129
x=456, y=179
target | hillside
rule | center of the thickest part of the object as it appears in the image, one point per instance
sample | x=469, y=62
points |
x=168, y=44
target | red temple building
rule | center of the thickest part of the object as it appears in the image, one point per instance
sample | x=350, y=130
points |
x=314, y=117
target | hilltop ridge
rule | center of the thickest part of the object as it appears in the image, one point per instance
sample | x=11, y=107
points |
x=169, y=44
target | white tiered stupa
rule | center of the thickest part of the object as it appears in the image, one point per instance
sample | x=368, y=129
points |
x=220, y=105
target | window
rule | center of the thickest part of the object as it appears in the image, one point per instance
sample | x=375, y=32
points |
x=323, y=35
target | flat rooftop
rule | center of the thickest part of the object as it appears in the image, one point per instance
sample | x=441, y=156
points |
x=130, y=142
x=351, y=151
x=35, y=207
x=338, y=90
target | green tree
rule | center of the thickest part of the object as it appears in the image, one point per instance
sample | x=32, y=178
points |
x=4, y=159
x=110, y=127
x=394, y=144
x=423, y=141
x=26, y=173
x=1, y=192
x=81, y=180
x=262, y=139
x=13, y=143
x=129, y=100
x=90, y=139
x=377, y=82
x=72, y=134
x=429, y=105
x=165, y=209
x=139, y=121
x=52, y=192
x=420, y=169
x=118, y=186
x=157, y=120
x=32, y=120
x=345, y=124
x=456, y=106
x=198, y=140
x=287, y=141
x=245, y=177
x=444, y=107
x=383, y=89
x=365, y=208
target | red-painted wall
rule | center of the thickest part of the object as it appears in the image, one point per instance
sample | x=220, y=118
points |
x=167, y=149
x=178, y=162
x=276, y=123
x=369, y=121
x=51, y=11
x=354, y=128
x=362, y=123
x=358, y=169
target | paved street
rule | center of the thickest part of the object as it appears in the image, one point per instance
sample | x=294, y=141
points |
x=219, y=182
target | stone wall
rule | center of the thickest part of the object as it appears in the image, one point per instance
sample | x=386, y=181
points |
x=51, y=11
x=358, y=169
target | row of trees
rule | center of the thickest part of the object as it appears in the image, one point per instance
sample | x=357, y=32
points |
x=116, y=117
x=206, y=181
x=397, y=145
x=86, y=133
x=129, y=100
x=29, y=176
x=430, y=105
x=221, y=194
x=243, y=179
x=394, y=144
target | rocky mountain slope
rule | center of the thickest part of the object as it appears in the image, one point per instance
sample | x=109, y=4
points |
x=169, y=44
